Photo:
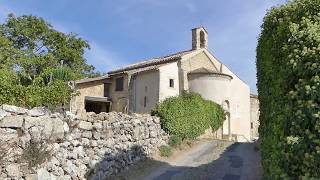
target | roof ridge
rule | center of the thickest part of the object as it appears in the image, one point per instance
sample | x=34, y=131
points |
x=152, y=61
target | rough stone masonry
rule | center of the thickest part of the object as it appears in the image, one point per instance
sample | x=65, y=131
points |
x=93, y=147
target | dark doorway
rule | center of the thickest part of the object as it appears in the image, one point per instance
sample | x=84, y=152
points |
x=97, y=107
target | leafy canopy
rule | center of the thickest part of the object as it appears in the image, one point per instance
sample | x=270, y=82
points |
x=36, y=60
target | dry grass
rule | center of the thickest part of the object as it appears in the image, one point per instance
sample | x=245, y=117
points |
x=35, y=153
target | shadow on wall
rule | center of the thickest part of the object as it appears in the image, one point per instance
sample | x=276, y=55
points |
x=237, y=161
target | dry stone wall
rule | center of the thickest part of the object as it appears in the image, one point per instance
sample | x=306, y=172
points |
x=93, y=147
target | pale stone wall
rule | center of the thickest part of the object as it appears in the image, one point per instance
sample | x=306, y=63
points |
x=145, y=85
x=254, y=116
x=94, y=88
x=239, y=107
x=210, y=87
x=167, y=72
x=213, y=87
x=93, y=147
x=120, y=99
x=198, y=61
x=239, y=100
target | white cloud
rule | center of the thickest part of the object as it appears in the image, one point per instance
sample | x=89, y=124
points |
x=102, y=58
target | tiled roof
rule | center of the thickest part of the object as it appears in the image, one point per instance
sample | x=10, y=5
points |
x=209, y=71
x=153, y=61
x=202, y=70
x=85, y=80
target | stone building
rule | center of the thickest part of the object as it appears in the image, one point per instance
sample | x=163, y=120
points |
x=139, y=87
x=254, y=116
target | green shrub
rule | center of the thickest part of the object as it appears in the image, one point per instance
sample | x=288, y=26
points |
x=288, y=69
x=165, y=151
x=51, y=95
x=175, y=141
x=189, y=115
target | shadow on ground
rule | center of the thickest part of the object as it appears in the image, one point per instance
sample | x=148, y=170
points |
x=239, y=161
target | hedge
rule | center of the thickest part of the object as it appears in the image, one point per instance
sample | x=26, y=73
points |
x=189, y=115
x=288, y=67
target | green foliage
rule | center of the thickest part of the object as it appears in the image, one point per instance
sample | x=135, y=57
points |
x=165, y=151
x=288, y=70
x=175, y=141
x=36, y=61
x=189, y=115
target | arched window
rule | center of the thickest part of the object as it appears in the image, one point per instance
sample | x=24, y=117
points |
x=226, y=105
x=202, y=40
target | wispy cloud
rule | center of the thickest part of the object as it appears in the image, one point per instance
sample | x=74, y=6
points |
x=102, y=58
x=190, y=6
x=4, y=11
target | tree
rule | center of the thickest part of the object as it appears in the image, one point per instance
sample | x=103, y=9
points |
x=40, y=57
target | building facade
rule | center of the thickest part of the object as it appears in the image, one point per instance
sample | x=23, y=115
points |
x=254, y=113
x=139, y=87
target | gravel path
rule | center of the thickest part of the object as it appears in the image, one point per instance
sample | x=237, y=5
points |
x=210, y=159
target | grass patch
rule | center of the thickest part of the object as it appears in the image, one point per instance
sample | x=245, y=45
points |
x=165, y=151
x=175, y=141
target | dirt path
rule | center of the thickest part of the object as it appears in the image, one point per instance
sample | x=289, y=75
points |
x=208, y=159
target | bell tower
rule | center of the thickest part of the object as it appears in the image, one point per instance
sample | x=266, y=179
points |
x=199, y=38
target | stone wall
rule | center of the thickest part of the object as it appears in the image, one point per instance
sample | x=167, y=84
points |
x=93, y=147
x=254, y=116
x=95, y=88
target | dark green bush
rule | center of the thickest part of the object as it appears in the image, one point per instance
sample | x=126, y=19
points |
x=165, y=151
x=175, y=141
x=189, y=115
x=288, y=68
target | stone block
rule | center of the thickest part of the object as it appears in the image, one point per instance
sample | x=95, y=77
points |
x=13, y=171
x=14, y=109
x=3, y=114
x=85, y=125
x=37, y=111
x=11, y=122
x=87, y=134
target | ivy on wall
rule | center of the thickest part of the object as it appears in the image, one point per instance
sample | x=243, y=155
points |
x=288, y=67
x=189, y=115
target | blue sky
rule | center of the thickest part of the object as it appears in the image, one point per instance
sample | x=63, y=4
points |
x=126, y=31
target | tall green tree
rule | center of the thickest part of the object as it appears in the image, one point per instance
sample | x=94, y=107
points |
x=39, y=57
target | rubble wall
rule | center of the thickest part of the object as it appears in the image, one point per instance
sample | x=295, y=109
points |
x=93, y=147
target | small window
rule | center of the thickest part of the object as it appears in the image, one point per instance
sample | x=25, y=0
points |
x=252, y=125
x=119, y=84
x=145, y=101
x=106, y=90
x=171, y=83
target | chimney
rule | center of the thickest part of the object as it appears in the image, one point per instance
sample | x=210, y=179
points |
x=199, y=38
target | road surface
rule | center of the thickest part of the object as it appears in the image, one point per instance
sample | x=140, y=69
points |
x=208, y=159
